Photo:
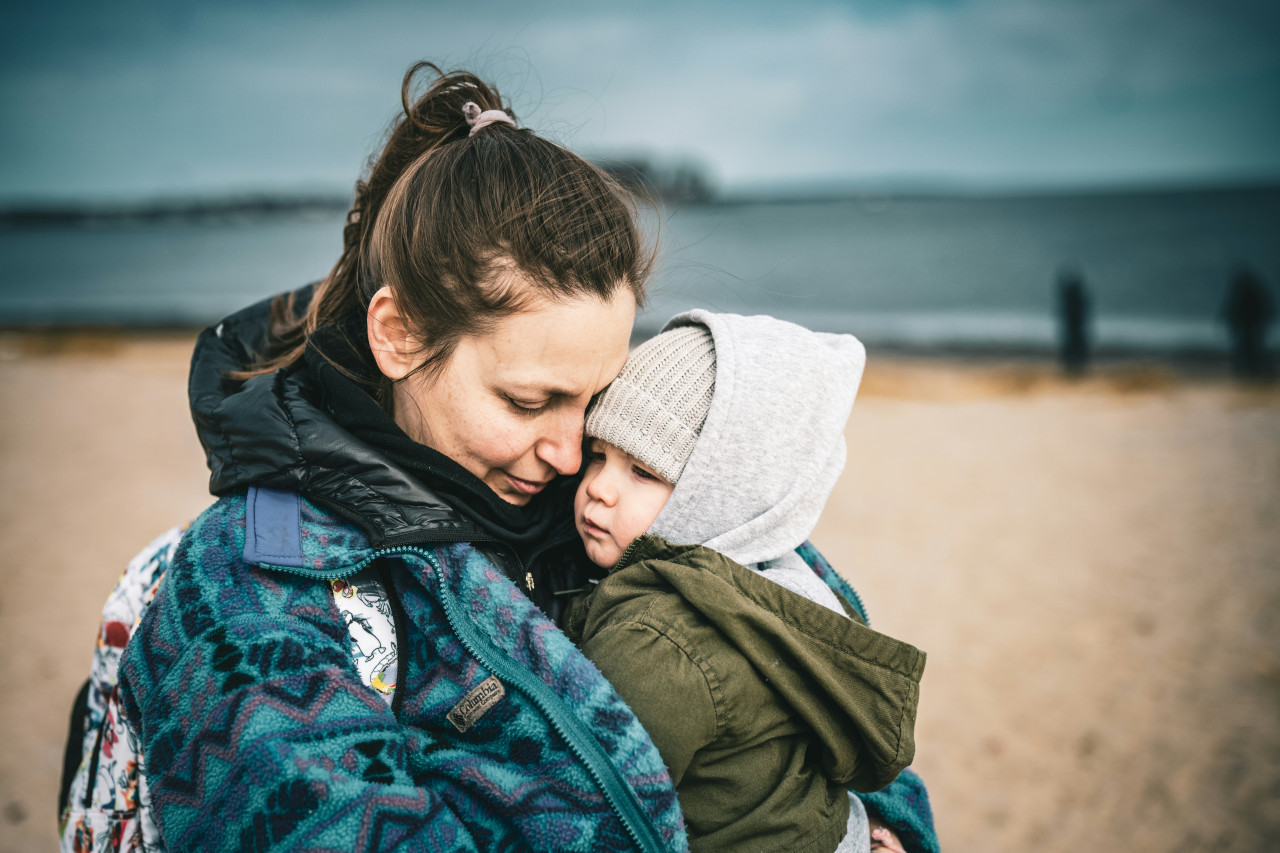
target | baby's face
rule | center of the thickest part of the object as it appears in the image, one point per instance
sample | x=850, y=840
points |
x=618, y=500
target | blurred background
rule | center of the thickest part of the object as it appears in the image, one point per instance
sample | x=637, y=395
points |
x=918, y=172
x=1055, y=225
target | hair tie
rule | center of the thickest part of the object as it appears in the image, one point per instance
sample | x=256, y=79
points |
x=477, y=119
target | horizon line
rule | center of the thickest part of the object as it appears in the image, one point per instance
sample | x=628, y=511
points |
x=270, y=201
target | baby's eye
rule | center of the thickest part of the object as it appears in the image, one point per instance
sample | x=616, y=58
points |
x=642, y=474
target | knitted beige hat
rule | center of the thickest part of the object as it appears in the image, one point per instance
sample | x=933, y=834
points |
x=654, y=410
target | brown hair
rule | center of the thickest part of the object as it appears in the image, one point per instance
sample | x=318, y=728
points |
x=443, y=214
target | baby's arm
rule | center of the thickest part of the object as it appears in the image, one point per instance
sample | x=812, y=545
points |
x=669, y=692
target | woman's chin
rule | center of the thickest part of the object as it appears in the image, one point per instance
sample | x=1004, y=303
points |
x=511, y=489
x=501, y=487
x=514, y=498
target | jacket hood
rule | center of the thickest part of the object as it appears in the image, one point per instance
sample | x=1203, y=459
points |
x=772, y=446
x=855, y=688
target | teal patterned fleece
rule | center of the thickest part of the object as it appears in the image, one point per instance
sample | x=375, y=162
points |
x=259, y=735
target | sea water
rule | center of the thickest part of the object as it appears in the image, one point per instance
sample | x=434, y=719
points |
x=913, y=271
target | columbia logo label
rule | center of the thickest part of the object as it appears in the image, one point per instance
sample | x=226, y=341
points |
x=474, y=704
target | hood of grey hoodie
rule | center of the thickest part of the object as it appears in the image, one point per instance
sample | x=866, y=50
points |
x=772, y=446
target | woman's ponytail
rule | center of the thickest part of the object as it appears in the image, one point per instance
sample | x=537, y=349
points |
x=436, y=117
x=444, y=209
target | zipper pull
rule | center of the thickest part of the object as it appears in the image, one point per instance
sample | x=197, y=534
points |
x=528, y=581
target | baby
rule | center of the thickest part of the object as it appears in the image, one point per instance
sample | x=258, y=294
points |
x=710, y=459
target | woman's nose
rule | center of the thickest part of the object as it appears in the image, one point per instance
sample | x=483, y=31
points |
x=561, y=448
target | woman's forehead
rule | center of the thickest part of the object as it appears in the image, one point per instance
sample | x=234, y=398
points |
x=563, y=347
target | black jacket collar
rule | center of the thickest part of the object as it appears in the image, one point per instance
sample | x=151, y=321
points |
x=310, y=429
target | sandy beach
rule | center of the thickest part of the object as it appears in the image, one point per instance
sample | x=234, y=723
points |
x=1093, y=568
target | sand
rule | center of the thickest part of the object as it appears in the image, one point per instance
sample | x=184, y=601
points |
x=1093, y=568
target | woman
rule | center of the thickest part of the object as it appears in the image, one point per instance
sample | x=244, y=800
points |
x=355, y=648
x=394, y=441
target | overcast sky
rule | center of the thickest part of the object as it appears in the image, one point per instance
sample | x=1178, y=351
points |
x=135, y=99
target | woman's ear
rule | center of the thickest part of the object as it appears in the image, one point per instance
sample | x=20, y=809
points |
x=395, y=347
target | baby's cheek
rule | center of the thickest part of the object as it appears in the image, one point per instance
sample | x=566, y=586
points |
x=602, y=554
x=629, y=530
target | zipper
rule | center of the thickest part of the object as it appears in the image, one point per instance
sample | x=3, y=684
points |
x=575, y=733
x=347, y=571
x=513, y=557
x=858, y=605
x=808, y=553
x=617, y=791
x=627, y=555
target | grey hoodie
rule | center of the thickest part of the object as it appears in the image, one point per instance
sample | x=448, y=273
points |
x=772, y=446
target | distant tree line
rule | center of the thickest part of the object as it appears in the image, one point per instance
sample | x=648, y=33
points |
x=681, y=181
x=171, y=210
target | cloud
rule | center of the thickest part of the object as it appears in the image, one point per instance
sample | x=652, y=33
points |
x=143, y=98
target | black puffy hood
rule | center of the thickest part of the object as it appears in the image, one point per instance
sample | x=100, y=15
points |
x=309, y=428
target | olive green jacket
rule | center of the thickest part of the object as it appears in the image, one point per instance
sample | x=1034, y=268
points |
x=765, y=706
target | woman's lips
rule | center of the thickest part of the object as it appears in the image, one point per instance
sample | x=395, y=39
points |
x=526, y=487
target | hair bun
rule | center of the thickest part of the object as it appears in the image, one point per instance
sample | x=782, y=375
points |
x=477, y=119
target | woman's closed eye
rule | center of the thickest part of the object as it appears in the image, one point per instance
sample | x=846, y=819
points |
x=526, y=407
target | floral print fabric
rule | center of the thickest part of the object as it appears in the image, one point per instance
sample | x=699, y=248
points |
x=362, y=601
x=109, y=808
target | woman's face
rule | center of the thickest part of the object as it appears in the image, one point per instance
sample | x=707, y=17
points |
x=509, y=405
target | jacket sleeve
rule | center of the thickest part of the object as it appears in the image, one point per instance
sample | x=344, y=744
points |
x=670, y=690
x=258, y=735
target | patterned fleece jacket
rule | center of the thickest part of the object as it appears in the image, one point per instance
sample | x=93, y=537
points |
x=259, y=734
x=110, y=807
x=250, y=720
